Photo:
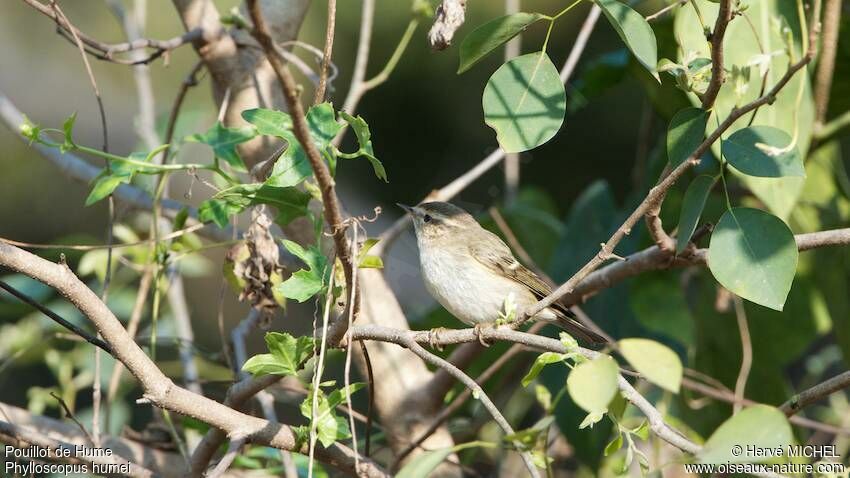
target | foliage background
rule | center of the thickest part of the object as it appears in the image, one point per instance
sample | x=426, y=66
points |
x=427, y=126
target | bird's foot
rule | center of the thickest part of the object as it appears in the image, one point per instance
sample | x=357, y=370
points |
x=477, y=330
x=434, y=338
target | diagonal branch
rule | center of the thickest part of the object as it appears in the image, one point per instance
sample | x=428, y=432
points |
x=718, y=74
x=656, y=194
x=106, y=51
x=813, y=394
x=158, y=388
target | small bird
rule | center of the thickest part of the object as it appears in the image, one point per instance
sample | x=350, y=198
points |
x=471, y=272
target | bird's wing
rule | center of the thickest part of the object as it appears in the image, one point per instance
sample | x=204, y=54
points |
x=496, y=256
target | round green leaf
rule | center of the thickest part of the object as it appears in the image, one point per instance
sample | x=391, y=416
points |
x=754, y=255
x=525, y=102
x=655, y=361
x=491, y=35
x=593, y=384
x=692, y=206
x=634, y=31
x=763, y=151
x=686, y=132
x=759, y=427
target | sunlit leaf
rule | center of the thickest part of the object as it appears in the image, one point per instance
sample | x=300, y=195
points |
x=763, y=151
x=655, y=361
x=541, y=361
x=524, y=102
x=287, y=355
x=759, y=427
x=593, y=384
x=288, y=201
x=364, y=138
x=753, y=254
x=489, y=36
x=305, y=283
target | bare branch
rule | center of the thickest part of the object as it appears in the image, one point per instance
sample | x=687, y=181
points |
x=326, y=56
x=159, y=389
x=106, y=51
x=408, y=338
x=826, y=61
x=718, y=74
x=813, y=394
x=746, y=352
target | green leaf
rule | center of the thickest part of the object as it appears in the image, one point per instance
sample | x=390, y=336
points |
x=614, y=445
x=634, y=31
x=524, y=102
x=763, y=151
x=305, y=283
x=593, y=384
x=118, y=173
x=656, y=362
x=686, y=132
x=423, y=464
x=692, y=206
x=541, y=361
x=270, y=122
x=223, y=142
x=289, y=202
x=330, y=427
x=68, y=128
x=286, y=357
x=753, y=254
x=293, y=166
x=491, y=35
x=759, y=427
x=364, y=138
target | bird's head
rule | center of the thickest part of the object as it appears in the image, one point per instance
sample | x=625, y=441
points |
x=434, y=220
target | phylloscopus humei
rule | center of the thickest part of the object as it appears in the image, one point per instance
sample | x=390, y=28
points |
x=471, y=271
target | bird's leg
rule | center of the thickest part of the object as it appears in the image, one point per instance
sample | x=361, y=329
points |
x=434, y=338
x=477, y=329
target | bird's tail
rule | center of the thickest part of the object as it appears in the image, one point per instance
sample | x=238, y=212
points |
x=575, y=328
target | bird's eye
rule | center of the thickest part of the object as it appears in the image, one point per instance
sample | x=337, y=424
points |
x=427, y=218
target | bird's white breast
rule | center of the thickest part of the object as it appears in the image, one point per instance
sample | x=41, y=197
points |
x=465, y=287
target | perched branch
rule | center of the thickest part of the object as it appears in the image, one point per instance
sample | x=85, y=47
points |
x=813, y=394
x=449, y=16
x=106, y=51
x=406, y=338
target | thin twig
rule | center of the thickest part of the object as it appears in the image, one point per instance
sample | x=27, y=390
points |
x=226, y=460
x=746, y=353
x=105, y=51
x=660, y=13
x=70, y=414
x=328, y=51
x=512, y=166
x=56, y=317
x=815, y=393
x=718, y=73
x=826, y=60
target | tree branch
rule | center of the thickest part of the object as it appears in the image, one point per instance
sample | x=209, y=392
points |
x=158, y=388
x=826, y=61
x=405, y=338
x=718, y=74
x=813, y=394
x=106, y=51
x=657, y=194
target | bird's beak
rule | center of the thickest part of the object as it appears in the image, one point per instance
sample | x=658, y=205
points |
x=406, y=208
